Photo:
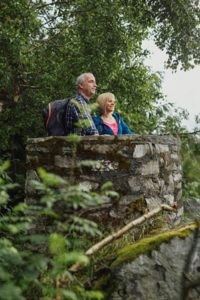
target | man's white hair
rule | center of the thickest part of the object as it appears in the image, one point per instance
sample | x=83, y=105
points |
x=81, y=78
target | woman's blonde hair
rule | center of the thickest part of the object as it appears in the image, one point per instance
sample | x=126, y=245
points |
x=102, y=99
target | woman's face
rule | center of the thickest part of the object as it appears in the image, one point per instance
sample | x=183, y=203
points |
x=110, y=105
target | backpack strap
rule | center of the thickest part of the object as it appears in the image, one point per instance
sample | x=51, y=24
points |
x=49, y=114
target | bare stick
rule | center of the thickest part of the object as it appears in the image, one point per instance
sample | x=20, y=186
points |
x=120, y=232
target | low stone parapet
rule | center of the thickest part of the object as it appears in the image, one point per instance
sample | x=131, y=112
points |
x=145, y=171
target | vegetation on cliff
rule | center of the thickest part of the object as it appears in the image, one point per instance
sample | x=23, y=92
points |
x=146, y=245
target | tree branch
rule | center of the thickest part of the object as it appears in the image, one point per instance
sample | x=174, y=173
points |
x=186, y=133
x=120, y=232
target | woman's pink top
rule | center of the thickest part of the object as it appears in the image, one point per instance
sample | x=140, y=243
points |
x=113, y=126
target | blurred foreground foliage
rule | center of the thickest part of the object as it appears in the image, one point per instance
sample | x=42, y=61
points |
x=39, y=242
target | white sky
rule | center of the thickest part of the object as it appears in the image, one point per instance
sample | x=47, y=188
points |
x=181, y=88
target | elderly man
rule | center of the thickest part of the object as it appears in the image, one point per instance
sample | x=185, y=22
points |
x=78, y=118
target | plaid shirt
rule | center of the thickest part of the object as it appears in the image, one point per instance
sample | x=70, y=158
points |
x=78, y=117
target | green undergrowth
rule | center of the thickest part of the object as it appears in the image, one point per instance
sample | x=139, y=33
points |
x=96, y=275
x=146, y=245
x=108, y=254
x=101, y=261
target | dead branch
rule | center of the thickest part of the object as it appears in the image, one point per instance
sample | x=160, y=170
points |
x=120, y=232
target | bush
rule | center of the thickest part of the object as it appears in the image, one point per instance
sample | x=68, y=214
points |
x=34, y=263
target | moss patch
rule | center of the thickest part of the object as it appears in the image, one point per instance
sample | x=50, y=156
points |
x=146, y=245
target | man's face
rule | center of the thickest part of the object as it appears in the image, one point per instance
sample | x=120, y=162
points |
x=88, y=87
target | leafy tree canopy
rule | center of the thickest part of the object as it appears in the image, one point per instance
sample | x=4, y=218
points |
x=44, y=45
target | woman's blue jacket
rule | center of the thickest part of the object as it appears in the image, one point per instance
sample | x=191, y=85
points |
x=105, y=129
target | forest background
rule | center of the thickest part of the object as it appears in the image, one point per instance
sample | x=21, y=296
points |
x=45, y=45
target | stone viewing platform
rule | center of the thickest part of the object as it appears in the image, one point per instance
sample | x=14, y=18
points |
x=145, y=171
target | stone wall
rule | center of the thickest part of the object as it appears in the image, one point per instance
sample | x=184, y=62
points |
x=144, y=170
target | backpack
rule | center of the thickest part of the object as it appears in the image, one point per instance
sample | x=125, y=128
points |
x=54, y=117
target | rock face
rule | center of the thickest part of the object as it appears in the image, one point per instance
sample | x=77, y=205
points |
x=170, y=271
x=144, y=170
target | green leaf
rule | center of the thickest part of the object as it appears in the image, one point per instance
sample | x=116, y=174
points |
x=57, y=244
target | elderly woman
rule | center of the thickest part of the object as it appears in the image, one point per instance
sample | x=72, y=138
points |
x=109, y=122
